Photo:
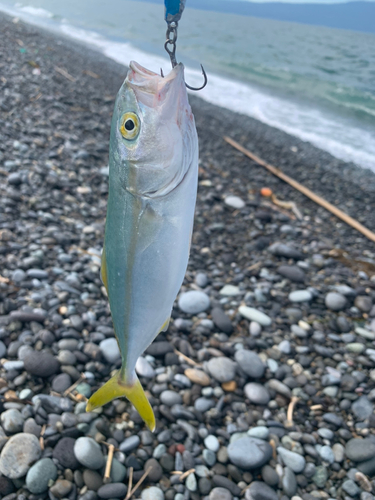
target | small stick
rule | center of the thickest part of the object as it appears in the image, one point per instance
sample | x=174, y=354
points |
x=186, y=474
x=139, y=482
x=130, y=484
x=41, y=439
x=107, y=473
x=188, y=360
x=72, y=387
x=254, y=266
x=289, y=415
x=307, y=192
x=63, y=72
x=316, y=407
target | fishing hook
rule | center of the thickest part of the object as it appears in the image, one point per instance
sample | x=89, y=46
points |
x=170, y=47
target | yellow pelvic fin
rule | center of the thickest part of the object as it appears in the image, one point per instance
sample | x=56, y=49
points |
x=103, y=270
x=165, y=326
x=116, y=388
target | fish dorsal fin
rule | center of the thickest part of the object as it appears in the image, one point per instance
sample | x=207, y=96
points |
x=103, y=271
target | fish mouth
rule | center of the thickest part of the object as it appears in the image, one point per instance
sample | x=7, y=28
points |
x=150, y=87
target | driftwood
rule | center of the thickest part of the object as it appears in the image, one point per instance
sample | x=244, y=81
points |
x=307, y=192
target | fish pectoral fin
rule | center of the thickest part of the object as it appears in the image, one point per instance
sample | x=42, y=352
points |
x=117, y=388
x=165, y=325
x=103, y=270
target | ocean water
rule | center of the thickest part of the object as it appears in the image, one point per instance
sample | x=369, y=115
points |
x=315, y=83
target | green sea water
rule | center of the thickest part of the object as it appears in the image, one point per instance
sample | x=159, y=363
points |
x=313, y=82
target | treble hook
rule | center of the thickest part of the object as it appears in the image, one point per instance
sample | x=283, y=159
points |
x=170, y=47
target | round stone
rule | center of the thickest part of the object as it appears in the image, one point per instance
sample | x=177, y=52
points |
x=222, y=369
x=156, y=470
x=300, y=296
x=112, y=490
x=191, y=482
x=250, y=363
x=41, y=364
x=197, y=376
x=294, y=461
x=152, y=493
x=260, y=432
x=110, y=350
x=260, y=491
x=129, y=444
x=335, y=301
x=144, y=369
x=249, y=452
x=221, y=320
x=40, y=474
x=170, y=398
x=12, y=421
x=118, y=471
x=327, y=454
x=362, y=408
x=61, y=383
x=220, y=494
x=253, y=314
x=359, y=450
x=255, y=329
x=88, y=453
x=234, y=202
x=92, y=479
x=203, y=404
x=294, y=273
x=256, y=393
x=212, y=443
x=20, y=451
x=193, y=302
x=64, y=453
x=289, y=482
x=3, y=349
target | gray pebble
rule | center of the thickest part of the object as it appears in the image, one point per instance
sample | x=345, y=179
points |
x=152, y=493
x=212, y=443
x=193, y=302
x=170, y=398
x=40, y=474
x=250, y=363
x=249, y=452
x=289, y=482
x=253, y=314
x=222, y=369
x=129, y=444
x=300, y=296
x=260, y=491
x=88, y=453
x=20, y=451
x=12, y=421
x=362, y=408
x=335, y=301
x=256, y=393
x=110, y=350
x=292, y=460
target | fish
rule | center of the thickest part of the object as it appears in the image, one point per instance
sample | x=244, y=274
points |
x=153, y=177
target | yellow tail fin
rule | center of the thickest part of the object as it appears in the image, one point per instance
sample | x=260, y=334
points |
x=116, y=388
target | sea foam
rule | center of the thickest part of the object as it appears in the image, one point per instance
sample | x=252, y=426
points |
x=325, y=131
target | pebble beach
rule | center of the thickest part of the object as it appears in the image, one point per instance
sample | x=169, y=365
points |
x=263, y=386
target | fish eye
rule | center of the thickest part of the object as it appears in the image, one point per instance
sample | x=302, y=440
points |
x=130, y=126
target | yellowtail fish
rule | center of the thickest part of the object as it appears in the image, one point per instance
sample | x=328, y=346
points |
x=153, y=172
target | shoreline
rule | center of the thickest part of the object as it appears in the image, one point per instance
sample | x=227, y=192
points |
x=289, y=306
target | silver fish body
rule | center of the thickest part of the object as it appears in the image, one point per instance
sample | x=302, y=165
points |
x=152, y=194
